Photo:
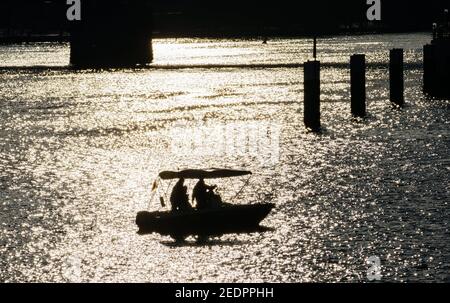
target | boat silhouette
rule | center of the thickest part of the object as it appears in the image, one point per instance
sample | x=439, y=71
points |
x=203, y=223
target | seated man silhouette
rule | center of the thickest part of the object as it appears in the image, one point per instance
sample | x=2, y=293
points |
x=205, y=196
x=179, y=197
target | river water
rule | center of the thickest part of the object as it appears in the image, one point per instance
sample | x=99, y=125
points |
x=79, y=151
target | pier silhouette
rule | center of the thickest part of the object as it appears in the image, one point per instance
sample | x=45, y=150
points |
x=108, y=35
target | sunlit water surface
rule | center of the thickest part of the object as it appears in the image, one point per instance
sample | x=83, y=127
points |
x=80, y=149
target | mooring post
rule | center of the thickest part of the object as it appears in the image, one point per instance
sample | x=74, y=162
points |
x=312, y=95
x=396, y=77
x=315, y=48
x=428, y=69
x=358, y=85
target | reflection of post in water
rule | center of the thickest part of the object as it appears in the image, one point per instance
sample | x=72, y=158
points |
x=112, y=34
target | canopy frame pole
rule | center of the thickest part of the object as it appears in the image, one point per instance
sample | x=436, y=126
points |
x=154, y=192
x=167, y=189
x=242, y=188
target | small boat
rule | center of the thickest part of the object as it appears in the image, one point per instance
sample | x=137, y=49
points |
x=224, y=219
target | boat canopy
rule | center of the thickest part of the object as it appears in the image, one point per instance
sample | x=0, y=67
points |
x=203, y=174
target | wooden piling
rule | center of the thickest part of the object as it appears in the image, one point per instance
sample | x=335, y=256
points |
x=428, y=69
x=312, y=95
x=315, y=48
x=358, y=85
x=396, y=77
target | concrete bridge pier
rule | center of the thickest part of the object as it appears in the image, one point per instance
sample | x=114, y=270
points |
x=112, y=34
